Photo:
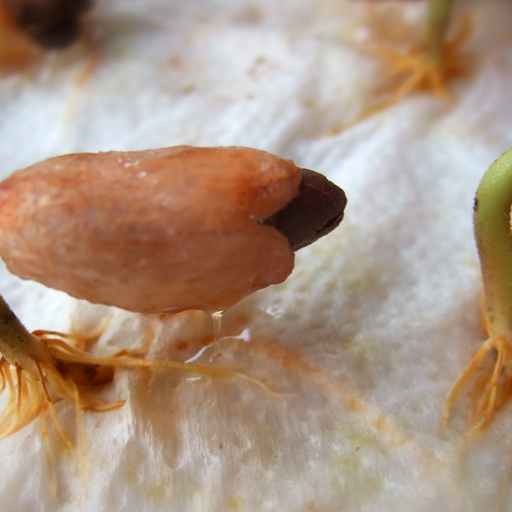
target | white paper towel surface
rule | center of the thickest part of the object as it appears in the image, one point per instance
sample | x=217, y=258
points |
x=367, y=336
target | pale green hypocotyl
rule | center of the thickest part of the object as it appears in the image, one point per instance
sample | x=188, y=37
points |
x=438, y=17
x=491, y=217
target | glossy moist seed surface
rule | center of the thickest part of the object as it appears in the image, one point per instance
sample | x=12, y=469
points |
x=150, y=231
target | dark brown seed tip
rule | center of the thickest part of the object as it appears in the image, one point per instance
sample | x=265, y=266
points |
x=315, y=211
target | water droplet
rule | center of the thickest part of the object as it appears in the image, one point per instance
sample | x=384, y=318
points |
x=131, y=163
x=217, y=323
x=197, y=356
x=275, y=311
x=245, y=335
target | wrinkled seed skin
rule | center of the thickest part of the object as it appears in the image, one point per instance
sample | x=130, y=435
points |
x=150, y=231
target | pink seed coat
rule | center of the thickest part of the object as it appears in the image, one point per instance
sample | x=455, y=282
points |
x=153, y=231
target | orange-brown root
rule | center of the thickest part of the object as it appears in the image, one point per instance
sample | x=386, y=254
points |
x=74, y=371
x=415, y=70
x=25, y=402
x=490, y=392
x=65, y=353
x=421, y=72
x=82, y=340
x=92, y=50
x=48, y=450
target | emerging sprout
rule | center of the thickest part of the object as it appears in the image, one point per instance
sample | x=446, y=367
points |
x=492, y=216
x=40, y=369
x=428, y=66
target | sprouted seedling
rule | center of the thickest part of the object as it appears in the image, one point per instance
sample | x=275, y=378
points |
x=40, y=369
x=428, y=66
x=431, y=65
x=492, y=224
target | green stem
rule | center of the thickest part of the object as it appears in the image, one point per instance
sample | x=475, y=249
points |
x=17, y=345
x=491, y=219
x=438, y=17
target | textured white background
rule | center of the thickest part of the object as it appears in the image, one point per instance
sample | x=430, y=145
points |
x=374, y=325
